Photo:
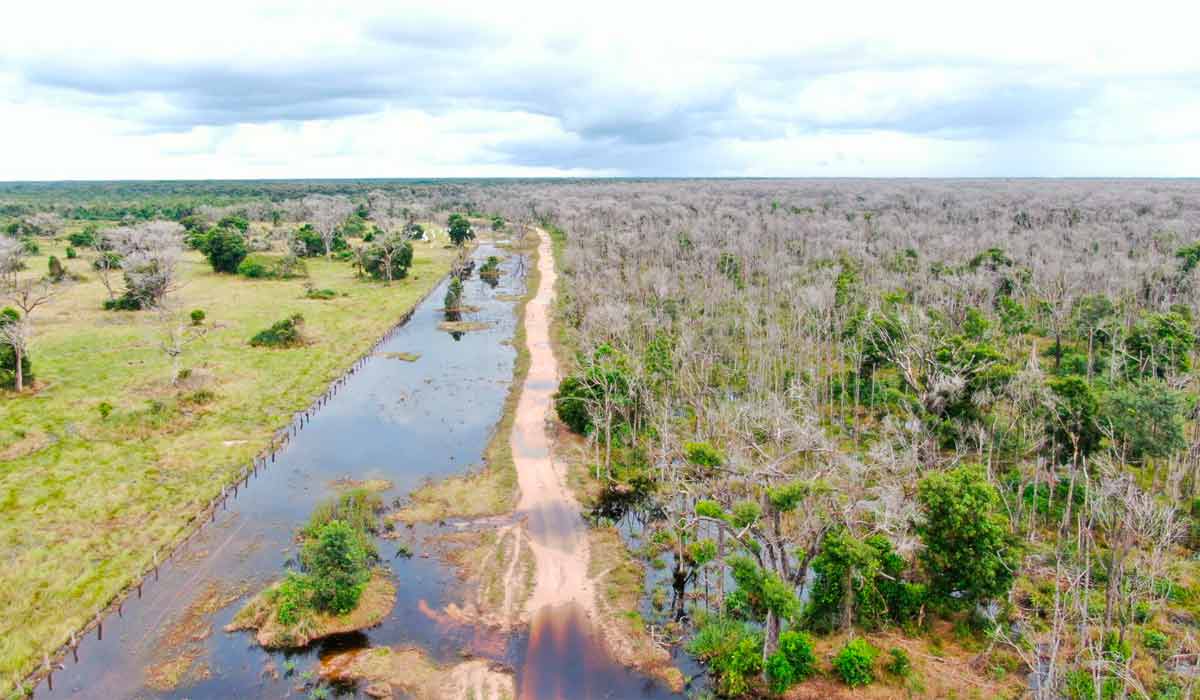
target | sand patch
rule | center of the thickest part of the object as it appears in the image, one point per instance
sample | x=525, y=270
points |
x=384, y=670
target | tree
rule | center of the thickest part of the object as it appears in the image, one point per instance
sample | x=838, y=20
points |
x=225, y=249
x=327, y=214
x=460, y=229
x=338, y=563
x=149, y=255
x=389, y=257
x=1146, y=419
x=11, y=260
x=27, y=296
x=967, y=553
x=178, y=330
x=12, y=364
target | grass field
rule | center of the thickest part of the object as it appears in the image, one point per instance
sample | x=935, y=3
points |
x=86, y=499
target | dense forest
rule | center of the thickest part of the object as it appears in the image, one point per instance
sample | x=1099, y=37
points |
x=957, y=414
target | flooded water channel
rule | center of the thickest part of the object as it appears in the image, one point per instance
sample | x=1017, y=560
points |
x=395, y=420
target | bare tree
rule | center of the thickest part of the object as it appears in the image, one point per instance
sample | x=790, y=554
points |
x=11, y=260
x=27, y=296
x=327, y=214
x=176, y=333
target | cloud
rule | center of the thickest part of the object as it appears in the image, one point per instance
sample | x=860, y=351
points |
x=643, y=89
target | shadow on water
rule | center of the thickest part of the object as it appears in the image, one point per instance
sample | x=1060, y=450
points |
x=564, y=659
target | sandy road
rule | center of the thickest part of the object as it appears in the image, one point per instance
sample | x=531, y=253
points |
x=557, y=532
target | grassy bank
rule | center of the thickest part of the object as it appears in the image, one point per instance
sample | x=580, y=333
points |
x=104, y=462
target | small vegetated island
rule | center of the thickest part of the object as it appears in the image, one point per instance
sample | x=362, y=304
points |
x=337, y=587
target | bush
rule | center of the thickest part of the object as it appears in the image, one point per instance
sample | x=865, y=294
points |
x=453, y=295
x=571, y=404
x=105, y=408
x=490, y=268
x=197, y=316
x=85, y=238
x=55, y=271
x=703, y=454
x=125, y=302
x=319, y=293
x=792, y=662
x=107, y=260
x=855, y=663
x=260, y=266
x=899, y=664
x=252, y=268
x=733, y=652
x=338, y=566
x=71, y=253
x=225, y=249
x=283, y=334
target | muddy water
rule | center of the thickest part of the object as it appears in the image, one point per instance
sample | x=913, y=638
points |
x=394, y=420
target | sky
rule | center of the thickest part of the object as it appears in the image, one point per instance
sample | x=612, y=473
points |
x=295, y=89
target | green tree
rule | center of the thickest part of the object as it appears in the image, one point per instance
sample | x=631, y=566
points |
x=1146, y=419
x=338, y=563
x=460, y=229
x=1160, y=345
x=1074, y=419
x=225, y=249
x=968, y=555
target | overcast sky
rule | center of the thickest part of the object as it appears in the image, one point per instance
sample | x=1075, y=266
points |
x=836, y=88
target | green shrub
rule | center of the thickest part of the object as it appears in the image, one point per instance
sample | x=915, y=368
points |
x=264, y=266
x=1155, y=640
x=108, y=260
x=197, y=316
x=490, y=268
x=125, y=302
x=225, y=249
x=71, y=253
x=252, y=268
x=703, y=454
x=453, y=295
x=105, y=408
x=855, y=663
x=571, y=404
x=338, y=567
x=85, y=238
x=283, y=334
x=733, y=652
x=320, y=293
x=792, y=662
x=899, y=664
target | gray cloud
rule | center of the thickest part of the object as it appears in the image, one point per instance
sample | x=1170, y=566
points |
x=613, y=113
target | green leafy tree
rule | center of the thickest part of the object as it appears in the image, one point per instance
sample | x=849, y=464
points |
x=338, y=563
x=1160, y=345
x=460, y=229
x=1074, y=420
x=1146, y=419
x=968, y=555
x=225, y=249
